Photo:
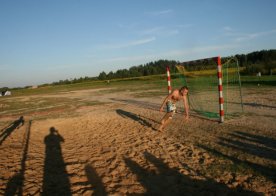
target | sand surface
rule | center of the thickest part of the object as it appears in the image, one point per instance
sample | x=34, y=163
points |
x=115, y=149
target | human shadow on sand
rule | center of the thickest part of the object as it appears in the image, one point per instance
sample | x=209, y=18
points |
x=168, y=181
x=268, y=171
x=10, y=128
x=265, y=141
x=254, y=145
x=16, y=183
x=248, y=147
x=55, y=178
x=133, y=116
x=255, y=105
x=95, y=180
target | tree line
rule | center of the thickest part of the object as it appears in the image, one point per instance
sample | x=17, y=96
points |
x=260, y=61
x=263, y=61
x=152, y=68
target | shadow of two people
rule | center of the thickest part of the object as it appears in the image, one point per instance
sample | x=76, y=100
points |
x=169, y=181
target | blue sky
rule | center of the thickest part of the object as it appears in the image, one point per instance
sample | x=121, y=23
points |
x=52, y=40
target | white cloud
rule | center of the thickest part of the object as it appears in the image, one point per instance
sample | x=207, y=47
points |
x=127, y=26
x=187, y=54
x=130, y=43
x=130, y=58
x=161, y=12
x=251, y=36
x=185, y=25
x=160, y=31
x=141, y=41
x=228, y=29
x=239, y=37
x=198, y=52
x=151, y=31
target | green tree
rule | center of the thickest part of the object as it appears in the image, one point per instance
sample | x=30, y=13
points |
x=102, y=76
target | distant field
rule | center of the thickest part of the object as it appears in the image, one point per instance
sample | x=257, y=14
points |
x=150, y=86
x=157, y=82
x=263, y=80
x=108, y=132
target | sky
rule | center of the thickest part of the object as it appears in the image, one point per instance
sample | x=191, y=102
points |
x=47, y=41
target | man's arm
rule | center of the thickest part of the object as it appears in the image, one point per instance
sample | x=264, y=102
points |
x=164, y=102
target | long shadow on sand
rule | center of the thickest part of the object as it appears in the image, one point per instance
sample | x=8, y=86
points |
x=168, y=181
x=9, y=129
x=255, y=105
x=254, y=145
x=95, y=180
x=265, y=141
x=55, y=179
x=248, y=148
x=16, y=183
x=133, y=116
x=267, y=171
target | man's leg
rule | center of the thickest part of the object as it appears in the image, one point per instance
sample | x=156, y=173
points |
x=165, y=120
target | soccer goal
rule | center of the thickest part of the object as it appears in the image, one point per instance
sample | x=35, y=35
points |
x=214, y=87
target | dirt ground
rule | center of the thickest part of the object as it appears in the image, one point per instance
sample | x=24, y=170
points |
x=114, y=148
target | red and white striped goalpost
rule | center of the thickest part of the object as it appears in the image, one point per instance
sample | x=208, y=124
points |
x=221, y=110
x=219, y=75
x=169, y=80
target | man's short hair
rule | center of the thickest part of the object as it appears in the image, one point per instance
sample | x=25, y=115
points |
x=184, y=87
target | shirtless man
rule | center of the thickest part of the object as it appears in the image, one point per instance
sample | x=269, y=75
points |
x=170, y=101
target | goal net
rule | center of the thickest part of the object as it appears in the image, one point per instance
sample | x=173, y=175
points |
x=214, y=87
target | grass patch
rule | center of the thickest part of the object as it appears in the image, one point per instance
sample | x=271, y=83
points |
x=262, y=81
x=140, y=83
x=136, y=83
x=25, y=106
x=150, y=94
